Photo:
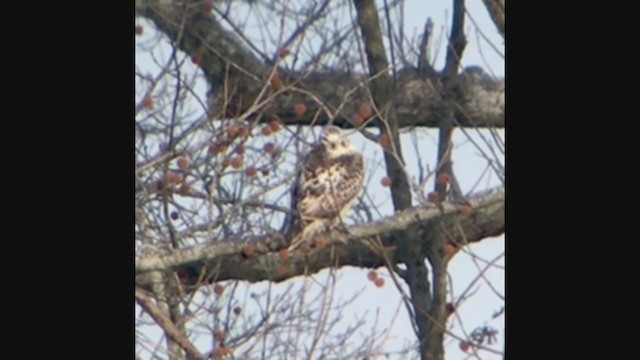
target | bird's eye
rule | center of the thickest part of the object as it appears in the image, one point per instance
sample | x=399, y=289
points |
x=333, y=145
x=344, y=143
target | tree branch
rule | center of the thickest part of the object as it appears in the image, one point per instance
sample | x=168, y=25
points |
x=381, y=86
x=496, y=11
x=225, y=60
x=223, y=260
x=167, y=325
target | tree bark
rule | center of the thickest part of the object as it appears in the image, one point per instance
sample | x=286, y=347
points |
x=224, y=59
x=223, y=260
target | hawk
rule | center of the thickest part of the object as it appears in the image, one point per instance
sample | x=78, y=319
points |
x=330, y=177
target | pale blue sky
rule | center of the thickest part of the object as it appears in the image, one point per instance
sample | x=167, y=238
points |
x=468, y=166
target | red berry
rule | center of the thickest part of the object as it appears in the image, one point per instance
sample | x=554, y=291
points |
x=385, y=181
x=379, y=282
x=243, y=131
x=251, y=171
x=299, y=109
x=236, y=162
x=248, y=250
x=185, y=189
x=207, y=6
x=321, y=242
x=218, y=289
x=450, y=308
x=384, y=141
x=433, y=197
x=233, y=131
x=216, y=148
x=274, y=124
x=372, y=275
x=356, y=119
x=365, y=111
x=147, y=102
x=269, y=147
x=218, y=334
x=276, y=82
x=239, y=149
x=465, y=345
x=266, y=130
x=283, y=52
x=444, y=179
x=284, y=254
x=183, y=164
x=281, y=271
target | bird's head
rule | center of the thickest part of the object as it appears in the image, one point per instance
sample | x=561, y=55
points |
x=334, y=143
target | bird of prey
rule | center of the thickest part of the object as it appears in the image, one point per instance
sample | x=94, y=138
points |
x=328, y=180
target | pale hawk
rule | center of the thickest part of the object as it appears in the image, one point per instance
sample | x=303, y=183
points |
x=329, y=179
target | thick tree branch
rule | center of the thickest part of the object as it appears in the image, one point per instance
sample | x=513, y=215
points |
x=223, y=260
x=496, y=11
x=381, y=86
x=225, y=61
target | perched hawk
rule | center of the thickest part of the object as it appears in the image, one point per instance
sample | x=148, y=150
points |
x=330, y=177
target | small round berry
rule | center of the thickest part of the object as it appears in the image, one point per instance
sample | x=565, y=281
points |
x=365, y=111
x=283, y=52
x=269, y=148
x=274, y=124
x=281, y=271
x=379, y=282
x=183, y=164
x=138, y=29
x=384, y=141
x=284, y=254
x=357, y=120
x=385, y=181
x=444, y=179
x=248, y=250
x=433, y=197
x=243, y=131
x=299, y=109
x=450, y=308
x=251, y=171
x=372, y=275
x=266, y=130
x=185, y=189
x=465, y=345
x=239, y=149
x=147, y=102
x=218, y=289
x=174, y=215
x=233, y=131
x=236, y=162
x=321, y=242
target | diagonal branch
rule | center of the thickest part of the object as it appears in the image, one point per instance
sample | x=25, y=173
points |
x=167, y=325
x=496, y=11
